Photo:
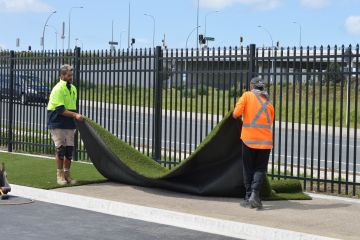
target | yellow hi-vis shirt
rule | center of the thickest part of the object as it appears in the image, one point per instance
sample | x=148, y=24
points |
x=63, y=97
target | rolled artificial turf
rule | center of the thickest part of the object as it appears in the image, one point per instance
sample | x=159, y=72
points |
x=125, y=164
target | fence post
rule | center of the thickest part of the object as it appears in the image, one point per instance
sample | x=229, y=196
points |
x=158, y=103
x=11, y=101
x=76, y=81
x=251, y=72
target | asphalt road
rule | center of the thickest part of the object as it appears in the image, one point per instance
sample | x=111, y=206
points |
x=44, y=221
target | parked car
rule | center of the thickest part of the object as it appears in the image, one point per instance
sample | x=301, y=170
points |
x=26, y=89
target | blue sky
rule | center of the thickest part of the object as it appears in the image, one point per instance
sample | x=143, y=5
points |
x=323, y=22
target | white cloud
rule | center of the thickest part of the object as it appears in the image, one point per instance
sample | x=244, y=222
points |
x=316, y=4
x=255, y=4
x=24, y=6
x=352, y=25
x=2, y=47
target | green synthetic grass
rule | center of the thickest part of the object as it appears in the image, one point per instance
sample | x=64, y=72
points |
x=147, y=167
x=137, y=161
x=41, y=172
x=289, y=189
x=286, y=186
x=132, y=158
x=287, y=196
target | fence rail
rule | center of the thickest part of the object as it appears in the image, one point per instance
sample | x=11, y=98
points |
x=165, y=102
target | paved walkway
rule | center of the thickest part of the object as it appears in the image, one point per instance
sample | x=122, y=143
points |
x=316, y=219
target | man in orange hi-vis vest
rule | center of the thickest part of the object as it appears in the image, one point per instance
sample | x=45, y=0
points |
x=257, y=138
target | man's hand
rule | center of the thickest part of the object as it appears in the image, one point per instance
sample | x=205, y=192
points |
x=79, y=117
x=233, y=115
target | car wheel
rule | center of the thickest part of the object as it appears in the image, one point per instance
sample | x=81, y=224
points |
x=23, y=99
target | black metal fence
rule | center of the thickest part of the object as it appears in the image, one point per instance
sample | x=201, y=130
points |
x=165, y=102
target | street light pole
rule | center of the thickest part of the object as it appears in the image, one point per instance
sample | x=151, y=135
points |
x=70, y=25
x=205, y=20
x=153, y=18
x=272, y=50
x=190, y=35
x=299, y=32
x=197, y=24
x=43, y=35
x=56, y=34
x=129, y=28
x=272, y=42
x=185, y=67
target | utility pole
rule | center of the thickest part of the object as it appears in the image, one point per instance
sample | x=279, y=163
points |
x=63, y=34
x=129, y=28
x=197, y=24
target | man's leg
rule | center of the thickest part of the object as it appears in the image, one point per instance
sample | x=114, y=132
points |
x=68, y=155
x=248, y=171
x=59, y=141
x=2, y=181
x=59, y=157
x=261, y=162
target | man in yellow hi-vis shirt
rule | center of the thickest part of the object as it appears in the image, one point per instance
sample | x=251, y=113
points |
x=61, y=114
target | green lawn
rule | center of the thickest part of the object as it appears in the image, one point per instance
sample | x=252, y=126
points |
x=41, y=172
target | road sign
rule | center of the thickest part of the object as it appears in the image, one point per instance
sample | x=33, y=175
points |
x=210, y=39
x=113, y=43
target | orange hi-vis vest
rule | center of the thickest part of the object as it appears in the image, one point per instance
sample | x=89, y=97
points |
x=258, y=117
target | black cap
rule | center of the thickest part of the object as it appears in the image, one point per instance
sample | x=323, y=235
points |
x=258, y=82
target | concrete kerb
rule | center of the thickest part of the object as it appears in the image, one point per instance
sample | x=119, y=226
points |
x=160, y=216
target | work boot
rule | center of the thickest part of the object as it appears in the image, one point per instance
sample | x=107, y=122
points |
x=60, y=178
x=246, y=204
x=255, y=200
x=68, y=178
x=4, y=197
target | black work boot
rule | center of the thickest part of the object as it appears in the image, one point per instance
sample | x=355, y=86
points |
x=246, y=203
x=255, y=200
x=4, y=197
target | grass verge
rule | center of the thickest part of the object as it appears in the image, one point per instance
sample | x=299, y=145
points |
x=41, y=172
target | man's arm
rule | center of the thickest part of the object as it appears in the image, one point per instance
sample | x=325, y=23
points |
x=239, y=107
x=67, y=113
x=76, y=116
